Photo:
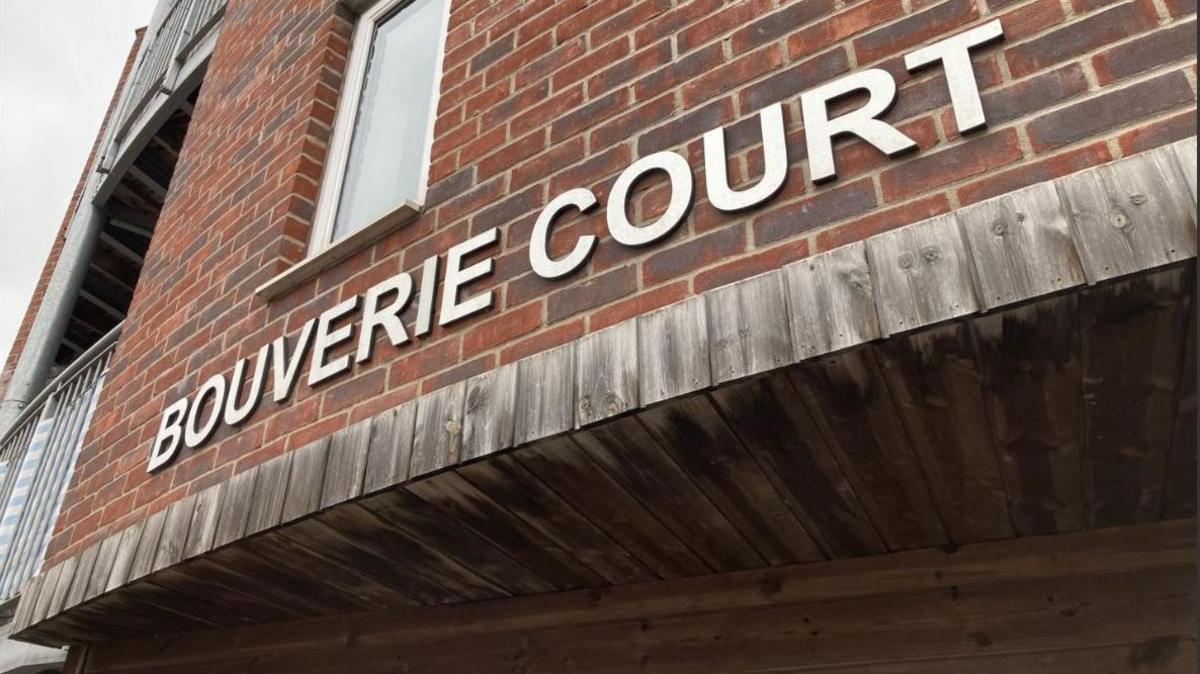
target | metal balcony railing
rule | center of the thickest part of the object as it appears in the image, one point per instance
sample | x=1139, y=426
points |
x=185, y=25
x=37, y=456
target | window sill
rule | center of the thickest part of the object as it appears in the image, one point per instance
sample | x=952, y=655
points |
x=341, y=249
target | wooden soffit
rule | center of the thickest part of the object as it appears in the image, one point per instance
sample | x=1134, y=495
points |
x=1014, y=368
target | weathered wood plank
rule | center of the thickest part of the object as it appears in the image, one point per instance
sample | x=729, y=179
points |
x=389, y=449
x=321, y=566
x=535, y=503
x=1021, y=245
x=625, y=450
x=1029, y=358
x=1184, y=152
x=437, y=438
x=545, y=395
x=921, y=275
x=693, y=433
x=23, y=617
x=123, y=559
x=849, y=401
x=235, y=507
x=364, y=541
x=488, y=414
x=174, y=532
x=1130, y=216
x=748, y=329
x=303, y=495
x=83, y=573
x=1133, y=334
x=346, y=464
x=562, y=463
x=410, y=514
x=673, y=351
x=283, y=586
x=39, y=602
x=102, y=567
x=606, y=373
x=147, y=549
x=203, y=528
x=459, y=501
x=270, y=487
x=1032, y=563
x=936, y=384
x=62, y=585
x=1181, y=466
x=831, y=301
x=772, y=422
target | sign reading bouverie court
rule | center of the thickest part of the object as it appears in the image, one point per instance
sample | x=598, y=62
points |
x=191, y=421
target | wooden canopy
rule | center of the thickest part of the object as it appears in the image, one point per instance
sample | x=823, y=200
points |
x=1020, y=367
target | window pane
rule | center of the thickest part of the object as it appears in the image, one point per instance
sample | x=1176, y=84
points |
x=387, y=151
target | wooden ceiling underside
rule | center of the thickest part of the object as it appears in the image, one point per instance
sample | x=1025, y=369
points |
x=1072, y=413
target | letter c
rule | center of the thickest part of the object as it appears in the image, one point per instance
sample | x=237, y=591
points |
x=539, y=259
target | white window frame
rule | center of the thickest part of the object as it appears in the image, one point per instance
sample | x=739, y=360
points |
x=334, y=173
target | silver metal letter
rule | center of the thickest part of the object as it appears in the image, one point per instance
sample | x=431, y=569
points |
x=235, y=415
x=955, y=55
x=170, y=432
x=775, y=165
x=286, y=369
x=387, y=317
x=680, y=174
x=327, y=339
x=427, y=291
x=457, y=276
x=539, y=259
x=819, y=130
x=195, y=433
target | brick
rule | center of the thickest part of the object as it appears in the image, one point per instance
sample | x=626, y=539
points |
x=731, y=75
x=591, y=293
x=623, y=22
x=927, y=25
x=1081, y=37
x=686, y=127
x=1171, y=44
x=459, y=373
x=751, y=265
x=1110, y=110
x=692, y=255
x=789, y=83
x=542, y=341
x=631, y=68
x=669, y=22
x=720, y=21
x=588, y=116
x=422, y=361
x=933, y=170
x=1036, y=172
x=823, y=208
x=680, y=70
x=1031, y=18
x=492, y=53
x=1159, y=133
x=1028, y=96
x=882, y=221
x=645, y=301
x=627, y=125
x=354, y=391
x=841, y=26
x=777, y=24
x=493, y=332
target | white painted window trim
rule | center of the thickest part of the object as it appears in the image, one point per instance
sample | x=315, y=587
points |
x=333, y=175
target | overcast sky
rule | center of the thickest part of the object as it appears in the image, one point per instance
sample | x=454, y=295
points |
x=59, y=63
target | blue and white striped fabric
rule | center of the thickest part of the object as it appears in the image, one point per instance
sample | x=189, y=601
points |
x=20, y=492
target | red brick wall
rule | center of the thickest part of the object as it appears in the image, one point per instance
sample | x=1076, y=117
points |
x=543, y=95
x=39, y=291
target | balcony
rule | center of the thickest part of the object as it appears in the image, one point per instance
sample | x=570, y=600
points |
x=37, y=456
